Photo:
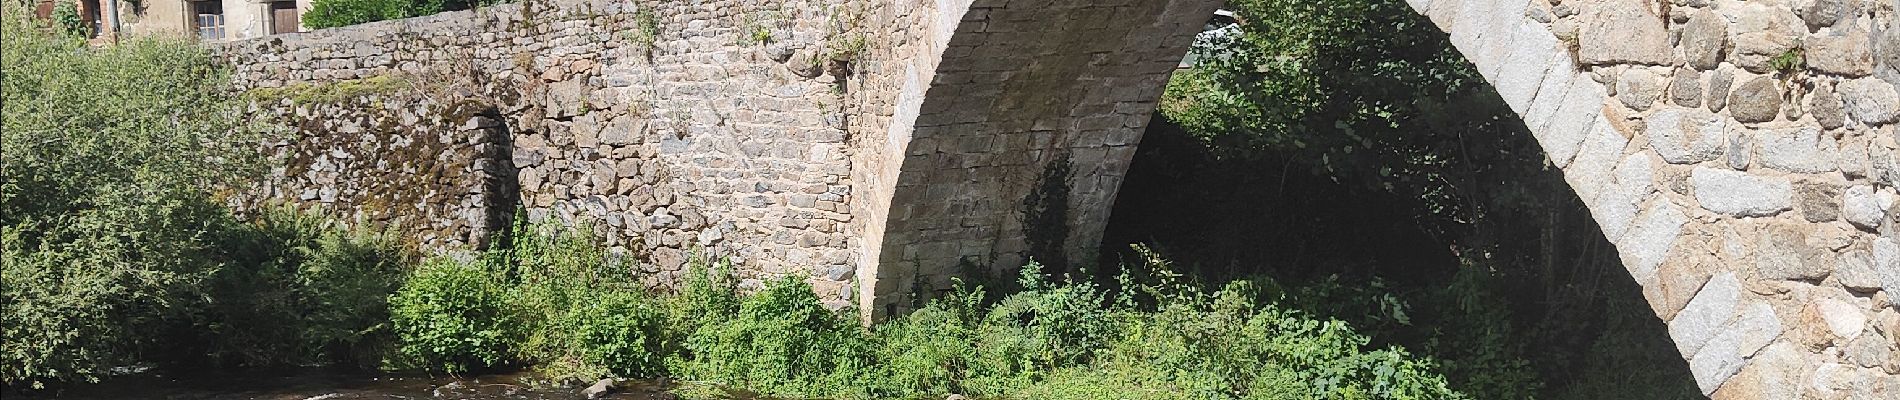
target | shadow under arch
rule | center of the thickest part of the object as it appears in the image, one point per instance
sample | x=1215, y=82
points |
x=1381, y=181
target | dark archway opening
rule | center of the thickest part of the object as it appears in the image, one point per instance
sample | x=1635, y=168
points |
x=1346, y=154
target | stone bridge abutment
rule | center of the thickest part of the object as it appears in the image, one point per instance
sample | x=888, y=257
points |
x=1740, y=154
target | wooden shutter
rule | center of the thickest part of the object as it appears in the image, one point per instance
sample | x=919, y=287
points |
x=283, y=16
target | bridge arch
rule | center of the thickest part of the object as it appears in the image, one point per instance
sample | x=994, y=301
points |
x=1750, y=198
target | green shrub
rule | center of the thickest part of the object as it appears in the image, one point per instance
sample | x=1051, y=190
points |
x=77, y=306
x=454, y=316
x=1159, y=338
x=709, y=296
x=335, y=13
x=1226, y=347
x=104, y=216
x=1045, y=326
x=620, y=332
x=300, y=289
x=645, y=32
x=66, y=15
x=930, y=350
x=547, y=296
x=581, y=313
x=782, y=342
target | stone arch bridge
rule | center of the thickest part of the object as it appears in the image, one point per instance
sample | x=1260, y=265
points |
x=1740, y=154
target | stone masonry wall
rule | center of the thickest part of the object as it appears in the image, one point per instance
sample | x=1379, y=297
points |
x=715, y=129
x=431, y=171
x=1741, y=155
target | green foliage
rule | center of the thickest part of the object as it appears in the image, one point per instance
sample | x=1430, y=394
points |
x=619, y=331
x=335, y=13
x=143, y=125
x=756, y=28
x=1364, y=91
x=844, y=40
x=646, y=30
x=710, y=290
x=299, y=289
x=454, y=316
x=782, y=342
x=66, y=17
x=931, y=350
x=550, y=297
x=580, y=312
x=1477, y=341
x=1188, y=352
x=1790, y=61
x=103, y=217
x=1069, y=341
x=1024, y=335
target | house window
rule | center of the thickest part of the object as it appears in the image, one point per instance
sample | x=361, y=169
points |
x=208, y=18
x=91, y=16
x=283, y=15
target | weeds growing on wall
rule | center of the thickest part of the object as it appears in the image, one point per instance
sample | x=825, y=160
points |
x=645, y=33
x=755, y=28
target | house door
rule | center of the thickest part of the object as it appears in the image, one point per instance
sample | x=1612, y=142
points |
x=283, y=16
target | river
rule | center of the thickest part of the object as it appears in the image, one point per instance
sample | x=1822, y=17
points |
x=321, y=385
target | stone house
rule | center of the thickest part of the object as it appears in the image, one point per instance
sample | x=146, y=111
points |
x=211, y=20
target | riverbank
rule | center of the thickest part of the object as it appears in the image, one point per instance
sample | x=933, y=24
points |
x=321, y=384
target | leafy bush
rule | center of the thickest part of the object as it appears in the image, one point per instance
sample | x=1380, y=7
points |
x=1045, y=326
x=300, y=289
x=583, y=315
x=1066, y=341
x=782, y=342
x=335, y=13
x=454, y=316
x=549, y=296
x=620, y=332
x=66, y=15
x=103, y=215
x=932, y=350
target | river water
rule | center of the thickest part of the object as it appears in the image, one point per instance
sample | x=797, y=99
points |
x=319, y=385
